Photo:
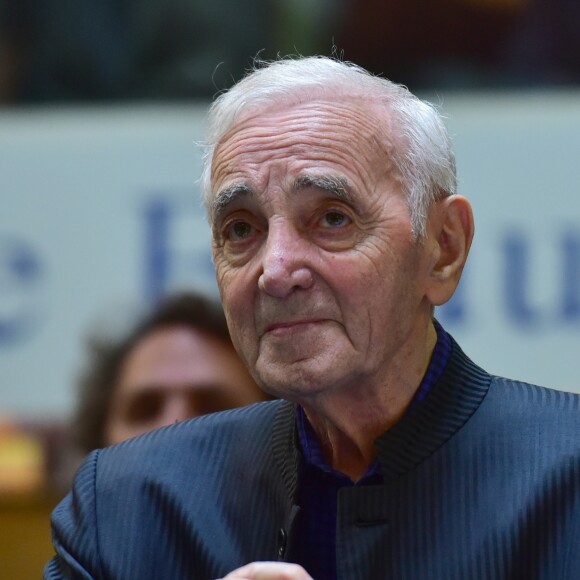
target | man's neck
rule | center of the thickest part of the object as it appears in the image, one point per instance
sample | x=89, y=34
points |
x=347, y=423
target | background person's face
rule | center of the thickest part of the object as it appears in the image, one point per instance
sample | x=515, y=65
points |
x=176, y=373
x=321, y=288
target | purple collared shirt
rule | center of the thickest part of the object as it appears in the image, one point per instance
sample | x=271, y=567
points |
x=319, y=483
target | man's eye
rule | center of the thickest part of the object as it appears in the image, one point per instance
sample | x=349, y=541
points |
x=335, y=219
x=239, y=230
x=145, y=406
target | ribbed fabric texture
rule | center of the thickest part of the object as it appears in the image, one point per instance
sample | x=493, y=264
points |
x=158, y=506
x=481, y=482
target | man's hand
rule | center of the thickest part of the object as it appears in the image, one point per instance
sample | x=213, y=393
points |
x=269, y=571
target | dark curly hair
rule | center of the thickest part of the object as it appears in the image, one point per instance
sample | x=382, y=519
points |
x=99, y=379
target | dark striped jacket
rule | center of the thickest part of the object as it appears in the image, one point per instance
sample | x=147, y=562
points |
x=482, y=481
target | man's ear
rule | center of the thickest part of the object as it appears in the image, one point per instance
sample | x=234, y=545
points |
x=450, y=231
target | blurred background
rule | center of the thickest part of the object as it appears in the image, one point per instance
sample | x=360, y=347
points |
x=101, y=106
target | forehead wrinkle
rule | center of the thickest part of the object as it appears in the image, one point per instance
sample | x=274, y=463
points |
x=306, y=122
x=278, y=134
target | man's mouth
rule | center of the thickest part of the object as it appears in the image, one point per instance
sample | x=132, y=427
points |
x=292, y=327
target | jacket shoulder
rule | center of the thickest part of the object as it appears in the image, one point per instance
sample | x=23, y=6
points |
x=127, y=496
x=532, y=397
x=195, y=443
x=532, y=414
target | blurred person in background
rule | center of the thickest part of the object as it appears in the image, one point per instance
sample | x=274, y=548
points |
x=545, y=46
x=465, y=44
x=178, y=362
x=451, y=43
x=70, y=51
x=81, y=50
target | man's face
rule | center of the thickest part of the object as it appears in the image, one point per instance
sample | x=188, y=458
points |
x=321, y=278
x=173, y=374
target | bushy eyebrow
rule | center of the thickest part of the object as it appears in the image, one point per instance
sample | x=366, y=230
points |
x=336, y=185
x=227, y=196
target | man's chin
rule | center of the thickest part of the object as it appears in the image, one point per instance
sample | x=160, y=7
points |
x=294, y=382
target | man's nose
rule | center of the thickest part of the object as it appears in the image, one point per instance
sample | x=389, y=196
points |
x=285, y=262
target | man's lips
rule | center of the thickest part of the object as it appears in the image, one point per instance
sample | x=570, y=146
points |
x=283, y=328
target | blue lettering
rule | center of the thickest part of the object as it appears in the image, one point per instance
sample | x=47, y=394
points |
x=571, y=277
x=157, y=218
x=174, y=262
x=20, y=275
x=516, y=280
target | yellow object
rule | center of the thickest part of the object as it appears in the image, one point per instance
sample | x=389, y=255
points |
x=21, y=463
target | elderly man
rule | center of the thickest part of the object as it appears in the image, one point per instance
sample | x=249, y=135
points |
x=336, y=230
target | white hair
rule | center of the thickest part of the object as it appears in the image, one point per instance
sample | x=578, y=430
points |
x=423, y=154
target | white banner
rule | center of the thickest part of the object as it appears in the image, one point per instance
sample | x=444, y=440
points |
x=100, y=214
